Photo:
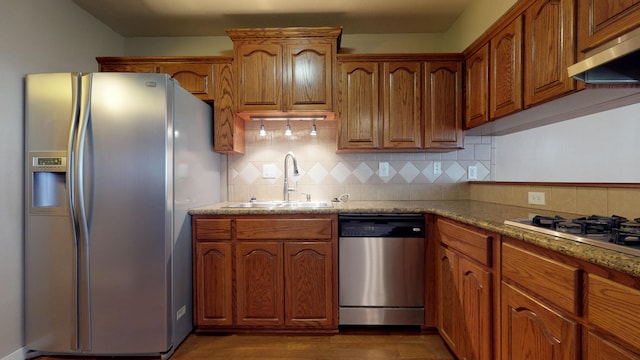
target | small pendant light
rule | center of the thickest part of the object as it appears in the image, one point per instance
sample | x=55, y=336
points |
x=263, y=131
x=314, y=130
x=287, y=131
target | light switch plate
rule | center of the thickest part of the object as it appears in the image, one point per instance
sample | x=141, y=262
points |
x=269, y=171
x=472, y=173
x=383, y=169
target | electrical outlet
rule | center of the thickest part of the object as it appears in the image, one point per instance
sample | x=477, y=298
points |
x=472, y=173
x=437, y=168
x=383, y=169
x=536, y=198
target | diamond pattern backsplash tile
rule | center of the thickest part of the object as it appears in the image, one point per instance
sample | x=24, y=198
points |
x=326, y=174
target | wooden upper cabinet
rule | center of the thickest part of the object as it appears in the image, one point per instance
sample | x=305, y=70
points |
x=126, y=67
x=506, y=70
x=401, y=106
x=549, y=50
x=443, y=105
x=359, y=114
x=600, y=21
x=284, y=69
x=194, y=73
x=228, y=130
x=477, y=88
x=195, y=78
x=309, y=75
x=259, y=76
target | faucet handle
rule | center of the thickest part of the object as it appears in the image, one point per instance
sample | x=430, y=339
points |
x=308, y=196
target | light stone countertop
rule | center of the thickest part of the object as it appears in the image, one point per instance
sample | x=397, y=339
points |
x=484, y=215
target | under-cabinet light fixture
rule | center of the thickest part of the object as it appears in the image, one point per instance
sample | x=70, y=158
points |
x=314, y=130
x=287, y=131
x=263, y=131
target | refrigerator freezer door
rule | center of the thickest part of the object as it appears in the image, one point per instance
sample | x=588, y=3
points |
x=50, y=249
x=126, y=183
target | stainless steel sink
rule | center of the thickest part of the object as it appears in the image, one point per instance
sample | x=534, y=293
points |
x=281, y=205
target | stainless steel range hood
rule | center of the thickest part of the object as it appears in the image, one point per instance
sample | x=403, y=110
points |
x=616, y=62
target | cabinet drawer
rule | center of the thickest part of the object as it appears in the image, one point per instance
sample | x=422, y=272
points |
x=547, y=278
x=614, y=308
x=213, y=229
x=473, y=244
x=283, y=229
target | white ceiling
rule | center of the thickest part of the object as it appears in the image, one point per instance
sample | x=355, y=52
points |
x=210, y=17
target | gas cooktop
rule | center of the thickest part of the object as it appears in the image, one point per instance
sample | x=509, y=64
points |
x=611, y=232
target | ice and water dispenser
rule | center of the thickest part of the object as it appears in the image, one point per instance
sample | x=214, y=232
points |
x=48, y=182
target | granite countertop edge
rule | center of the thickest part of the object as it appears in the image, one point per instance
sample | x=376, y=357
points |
x=488, y=216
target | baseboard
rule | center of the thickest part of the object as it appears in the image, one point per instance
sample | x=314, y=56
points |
x=16, y=355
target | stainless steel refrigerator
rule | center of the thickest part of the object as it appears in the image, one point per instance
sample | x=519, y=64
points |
x=113, y=163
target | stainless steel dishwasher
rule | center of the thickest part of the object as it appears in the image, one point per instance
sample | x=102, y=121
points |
x=381, y=269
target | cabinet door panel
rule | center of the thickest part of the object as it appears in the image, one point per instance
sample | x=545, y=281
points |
x=443, y=105
x=308, y=284
x=195, y=78
x=260, y=289
x=549, y=50
x=530, y=330
x=477, y=89
x=598, y=348
x=260, y=77
x=401, y=105
x=506, y=70
x=475, y=297
x=600, y=21
x=614, y=307
x=448, y=298
x=141, y=68
x=309, y=77
x=213, y=284
x=359, y=108
x=553, y=280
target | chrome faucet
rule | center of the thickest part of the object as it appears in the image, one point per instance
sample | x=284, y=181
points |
x=287, y=189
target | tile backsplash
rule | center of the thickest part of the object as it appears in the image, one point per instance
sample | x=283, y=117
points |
x=598, y=199
x=326, y=174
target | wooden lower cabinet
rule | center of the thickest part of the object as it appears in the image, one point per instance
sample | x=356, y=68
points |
x=260, y=288
x=447, y=297
x=464, y=292
x=284, y=284
x=532, y=330
x=598, y=347
x=273, y=274
x=212, y=265
x=308, y=279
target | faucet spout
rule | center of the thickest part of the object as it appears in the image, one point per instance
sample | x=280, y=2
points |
x=286, y=189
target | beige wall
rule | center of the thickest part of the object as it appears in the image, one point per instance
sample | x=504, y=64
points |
x=222, y=45
x=35, y=36
x=478, y=16
x=476, y=19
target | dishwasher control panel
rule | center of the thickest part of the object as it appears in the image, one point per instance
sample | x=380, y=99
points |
x=383, y=225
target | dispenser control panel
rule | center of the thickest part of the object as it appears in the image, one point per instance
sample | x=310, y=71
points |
x=49, y=163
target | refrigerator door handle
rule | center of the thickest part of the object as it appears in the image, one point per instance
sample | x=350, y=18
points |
x=70, y=182
x=84, y=329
